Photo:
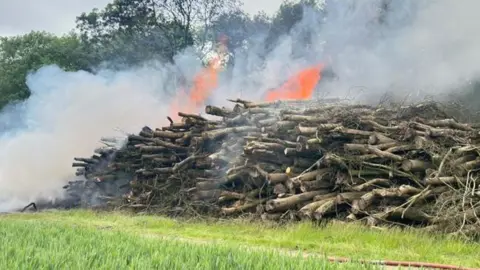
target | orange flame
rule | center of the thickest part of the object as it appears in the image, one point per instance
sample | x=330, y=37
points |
x=203, y=85
x=299, y=87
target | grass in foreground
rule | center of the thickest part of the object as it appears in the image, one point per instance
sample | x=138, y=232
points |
x=336, y=240
x=39, y=245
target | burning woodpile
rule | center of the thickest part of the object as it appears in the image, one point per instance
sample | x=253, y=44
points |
x=410, y=165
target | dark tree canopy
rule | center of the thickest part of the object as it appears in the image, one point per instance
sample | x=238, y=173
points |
x=20, y=55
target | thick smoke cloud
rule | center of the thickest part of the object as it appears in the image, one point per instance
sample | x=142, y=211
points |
x=420, y=47
x=66, y=115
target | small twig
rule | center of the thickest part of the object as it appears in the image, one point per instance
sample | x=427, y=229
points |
x=311, y=167
x=442, y=163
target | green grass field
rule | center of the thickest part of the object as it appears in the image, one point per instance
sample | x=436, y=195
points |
x=39, y=245
x=111, y=240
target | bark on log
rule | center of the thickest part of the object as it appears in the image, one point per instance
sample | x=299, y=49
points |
x=215, y=134
x=384, y=154
x=448, y=123
x=309, y=142
x=168, y=134
x=465, y=168
x=348, y=197
x=377, y=138
x=217, y=111
x=280, y=126
x=372, y=184
x=465, y=150
x=326, y=208
x=366, y=200
x=415, y=165
x=349, y=131
x=277, y=178
x=79, y=164
x=380, y=127
x=265, y=122
x=274, y=147
x=229, y=195
x=270, y=156
x=312, y=175
x=463, y=159
x=400, y=213
x=306, y=186
x=401, y=148
x=87, y=160
x=445, y=180
x=360, y=148
x=279, y=189
x=290, y=202
x=271, y=140
x=311, y=131
x=308, y=210
x=242, y=208
x=305, y=118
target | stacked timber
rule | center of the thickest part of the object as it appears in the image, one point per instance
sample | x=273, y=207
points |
x=303, y=160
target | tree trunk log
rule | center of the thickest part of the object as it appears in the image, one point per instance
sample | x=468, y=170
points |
x=378, y=138
x=372, y=184
x=290, y=202
x=215, y=134
x=366, y=200
x=415, y=165
x=308, y=210
x=242, y=208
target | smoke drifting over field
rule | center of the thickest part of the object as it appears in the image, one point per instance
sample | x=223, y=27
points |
x=422, y=48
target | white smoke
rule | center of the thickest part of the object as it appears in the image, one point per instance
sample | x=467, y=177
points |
x=423, y=47
x=420, y=48
x=66, y=115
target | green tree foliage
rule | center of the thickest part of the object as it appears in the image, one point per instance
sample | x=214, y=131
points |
x=129, y=32
x=20, y=55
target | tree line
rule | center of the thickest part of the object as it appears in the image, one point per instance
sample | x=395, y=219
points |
x=126, y=33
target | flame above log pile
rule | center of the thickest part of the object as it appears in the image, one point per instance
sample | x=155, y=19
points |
x=296, y=160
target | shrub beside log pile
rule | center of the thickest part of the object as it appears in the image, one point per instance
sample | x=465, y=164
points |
x=410, y=165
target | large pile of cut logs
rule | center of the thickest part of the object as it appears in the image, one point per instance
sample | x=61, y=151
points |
x=318, y=160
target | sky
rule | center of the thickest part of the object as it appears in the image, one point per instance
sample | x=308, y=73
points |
x=58, y=16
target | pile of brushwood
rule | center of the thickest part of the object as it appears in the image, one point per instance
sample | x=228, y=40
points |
x=290, y=160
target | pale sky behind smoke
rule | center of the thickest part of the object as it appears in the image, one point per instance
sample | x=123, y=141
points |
x=58, y=16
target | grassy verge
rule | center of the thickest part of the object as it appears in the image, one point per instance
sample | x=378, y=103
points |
x=39, y=245
x=336, y=240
